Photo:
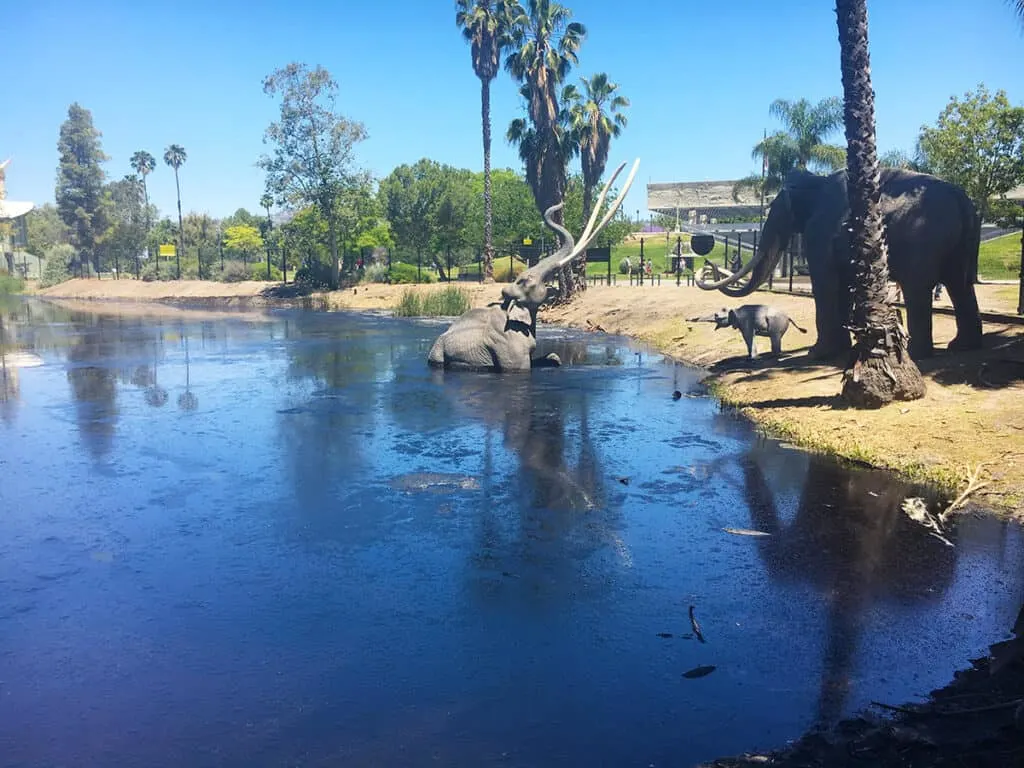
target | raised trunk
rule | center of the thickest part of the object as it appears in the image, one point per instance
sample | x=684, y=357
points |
x=882, y=370
x=181, y=225
x=485, y=114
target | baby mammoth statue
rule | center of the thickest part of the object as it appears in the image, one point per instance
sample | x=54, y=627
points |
x=757, y=320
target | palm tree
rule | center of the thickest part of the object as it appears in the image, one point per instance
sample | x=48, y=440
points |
x=144, y=164
x=544, y=46
x=806, y=128
x=175, y=157
x=596, y=120
x=484, y=25
x=882, y=370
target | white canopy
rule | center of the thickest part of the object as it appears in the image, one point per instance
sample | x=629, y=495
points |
x=13, y=209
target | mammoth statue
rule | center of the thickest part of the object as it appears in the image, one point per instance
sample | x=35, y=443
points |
x=503, y=335
x=932, y=231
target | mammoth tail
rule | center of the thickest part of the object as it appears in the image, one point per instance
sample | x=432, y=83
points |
x=793, y=323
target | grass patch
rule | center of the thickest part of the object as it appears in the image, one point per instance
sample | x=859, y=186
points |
x=449, y=301
x=10, y=284
x=999, y=258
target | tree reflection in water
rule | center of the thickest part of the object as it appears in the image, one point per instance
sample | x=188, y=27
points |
x=852, y=542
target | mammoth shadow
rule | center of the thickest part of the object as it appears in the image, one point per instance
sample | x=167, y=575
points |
x=851, y=542
x=932, y=232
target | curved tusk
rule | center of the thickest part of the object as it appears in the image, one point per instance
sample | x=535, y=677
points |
x=729, y=279
x=600, y=201
x=584, y=242
x=567, y=238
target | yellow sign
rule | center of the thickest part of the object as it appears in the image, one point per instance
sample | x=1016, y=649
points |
x=527, y=241
x=167, y=250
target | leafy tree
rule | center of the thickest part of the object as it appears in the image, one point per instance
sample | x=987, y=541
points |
x=175, y=157
x=144, y=164
x=897, y=158
x=412, y=196
x=882, y=370
x=243, y=239
x=357, y=210
x=80, y=182
x=978, y=143
x=484, y=25
x=543, y=48
x=45, y=229
x=807, y=126
x=126, y=235
x=312, y=160
x=515, y=213
x=241, y=217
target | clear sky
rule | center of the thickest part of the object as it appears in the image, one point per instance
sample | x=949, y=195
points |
x=700, y=76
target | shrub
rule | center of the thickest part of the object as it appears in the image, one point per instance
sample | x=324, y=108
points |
x=502, y=274
x=10, y=284
x=315, y=274
x=624, y=266
x=450, y=301
x=258, y=271
x=376, y=273
x=409, y=305
x=406, y=273
x=58, y=265
x=233, y=272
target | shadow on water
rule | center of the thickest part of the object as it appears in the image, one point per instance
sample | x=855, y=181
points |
x=328, y=553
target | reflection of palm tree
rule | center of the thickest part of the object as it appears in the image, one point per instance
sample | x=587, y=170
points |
x=187, y=401
x=851, y=540
x=155, y=395
x=93, y=387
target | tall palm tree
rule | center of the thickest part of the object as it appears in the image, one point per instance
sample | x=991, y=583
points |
x=484, y=25
x=144, y=164
x=882, y=370
x=807, y=126
x=175, y=157
x=543, y=48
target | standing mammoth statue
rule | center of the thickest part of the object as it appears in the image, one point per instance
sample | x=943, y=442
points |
x=932, y=231
x=503, y=335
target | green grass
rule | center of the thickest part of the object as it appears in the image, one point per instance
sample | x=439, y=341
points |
x=999, y=258
x=450, y=301
x=10, y=284
x=657, y=252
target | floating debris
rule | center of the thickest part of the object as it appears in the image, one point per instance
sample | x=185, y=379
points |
x=677, y=395
x=745, y=532
x=624, y=480
x=699, y=672
x=435, y=482
x=696, y=626
x=915, y=508
x=664, y=635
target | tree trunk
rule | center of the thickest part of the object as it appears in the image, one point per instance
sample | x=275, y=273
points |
x=181, y=225
x=485, y=113
x=882, y=370
x=332, y=235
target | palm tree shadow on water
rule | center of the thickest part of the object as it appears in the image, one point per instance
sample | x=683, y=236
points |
x=849, y=539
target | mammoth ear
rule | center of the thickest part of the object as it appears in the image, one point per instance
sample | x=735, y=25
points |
x=732, y=316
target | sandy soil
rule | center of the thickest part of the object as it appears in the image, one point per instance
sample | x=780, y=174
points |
x=970, y=417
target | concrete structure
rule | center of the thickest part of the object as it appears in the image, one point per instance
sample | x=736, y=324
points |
x=698, y=202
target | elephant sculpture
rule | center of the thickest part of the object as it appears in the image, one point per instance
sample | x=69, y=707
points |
x=933, y=235
x=503, y=335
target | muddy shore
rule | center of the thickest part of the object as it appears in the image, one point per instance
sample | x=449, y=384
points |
x=970, y=417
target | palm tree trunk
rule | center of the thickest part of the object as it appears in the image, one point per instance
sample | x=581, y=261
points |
x=882, y=370
x=145, y=195
x=181, y=225
x=485, y=113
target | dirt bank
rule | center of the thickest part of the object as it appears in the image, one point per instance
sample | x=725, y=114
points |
x=971, y=415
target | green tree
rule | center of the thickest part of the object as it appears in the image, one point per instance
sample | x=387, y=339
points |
x=484, y=25
x=241, y=217
x=175, y=157
x=897, y=158
x=45, y=229
x=411, y=196
x=312, y=160
x=978, y=143
x=80, y=182
x=144, y=164
x=882, y=370
x=126, y=235
x=243, y=239
x=515, y=213
x=543, y=48
x=807, y=126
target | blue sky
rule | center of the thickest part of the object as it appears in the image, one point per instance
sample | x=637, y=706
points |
x=700, y=76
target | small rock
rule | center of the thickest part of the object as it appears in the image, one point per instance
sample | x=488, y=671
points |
x=624, y=480
x=676, y=395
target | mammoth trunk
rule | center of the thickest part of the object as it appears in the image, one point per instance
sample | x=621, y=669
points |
x=769, y=251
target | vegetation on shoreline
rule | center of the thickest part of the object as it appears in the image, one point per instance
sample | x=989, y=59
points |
x=449, y=301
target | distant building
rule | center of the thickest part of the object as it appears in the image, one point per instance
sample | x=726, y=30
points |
x=698, y=202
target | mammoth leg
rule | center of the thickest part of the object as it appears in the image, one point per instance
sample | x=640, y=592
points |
x=968, y=321
x=830, y=287
x=918, y=299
